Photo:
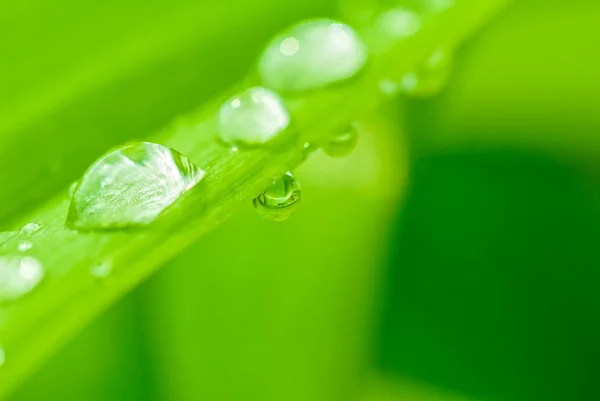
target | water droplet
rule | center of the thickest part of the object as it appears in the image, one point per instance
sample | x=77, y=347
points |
x=252, y=117
x=30, y=228
x=25, y=246
x=429, y=79
x=131, y=186
x=343, y=144
x=391, y=26
x=280, y=200
x=389, y=87
x=311, y=55
x=18, y=276
x=101, y=270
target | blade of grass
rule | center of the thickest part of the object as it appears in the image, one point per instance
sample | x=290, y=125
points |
x=69, y=296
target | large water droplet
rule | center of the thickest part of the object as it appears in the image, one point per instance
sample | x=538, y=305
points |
x=280, y=200
x=312, y=54
x=18, y=276
x=343, y=144
x=252, y=117
x=131, y=186
x=429, y=79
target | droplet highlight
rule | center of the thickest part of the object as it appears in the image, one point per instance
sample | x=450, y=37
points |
x=280, y=200
x=18, y=276
x=131, y=186
x=429, y=79
x=253, y=117
x=311, y=55
x=343, y=144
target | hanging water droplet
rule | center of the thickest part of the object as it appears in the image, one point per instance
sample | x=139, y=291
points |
x=30, y=228
x=101, y=270
x=18, y=276
x=391, y=26
x=311, y=55
x=429, y=79
x=131, y=186
x=280, y=200
x=343, y=144
x=252, y=117
x=24, y=246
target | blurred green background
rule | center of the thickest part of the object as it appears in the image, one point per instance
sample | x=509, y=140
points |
x=453, y=254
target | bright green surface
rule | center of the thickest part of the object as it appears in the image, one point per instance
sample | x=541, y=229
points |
x=254, y=310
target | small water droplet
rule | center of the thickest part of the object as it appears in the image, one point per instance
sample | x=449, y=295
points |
x=101, y=270
x=131, y=186
x=429, y=79
x=252, y=117
x=311, y=55
x=343, y=144
x=18, y=276
x=280, y=200
x=30, y=228
x=391, y=26
x=389, y=87
x=25, y=246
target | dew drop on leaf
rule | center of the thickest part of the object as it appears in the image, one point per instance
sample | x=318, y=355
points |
x=101, y=270
x=131, y=186
x=343, y=144
x=18, y=276
x=24, y=246
x=280, y=200
x=430, y=78
x=311, y=55
x=30, y=228
x=252, y=117
x=391, y=26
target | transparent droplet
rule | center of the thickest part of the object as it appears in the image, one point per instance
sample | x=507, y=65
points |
x=24, y=246
x=30, y=228
x=392, y=26
x=101, y=270
x=18, y=276
x=252, y=117
x=429, y=79
x=280, y=200
x=131, y=186
x=312, y=54
x=343, y=144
